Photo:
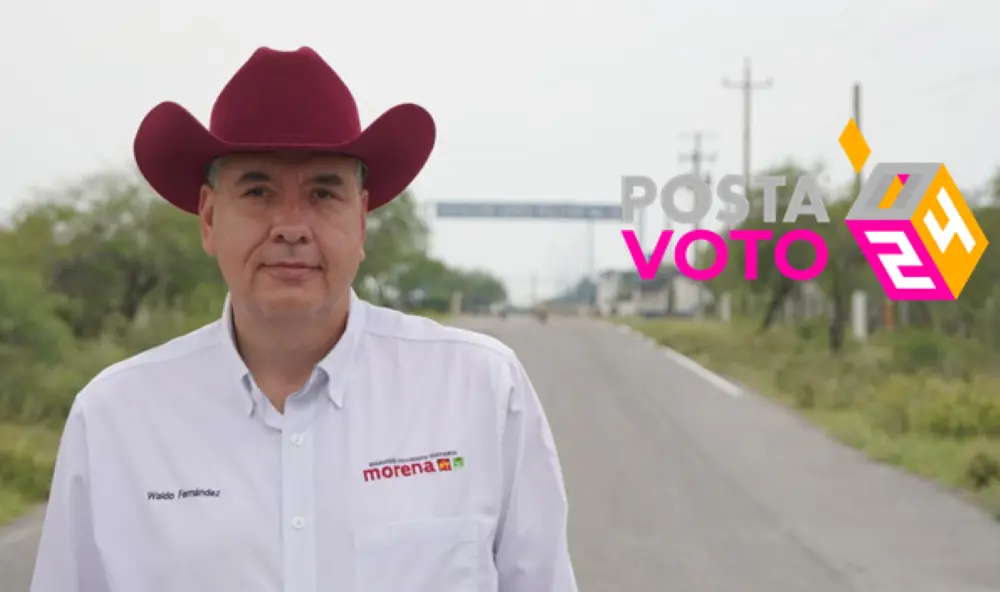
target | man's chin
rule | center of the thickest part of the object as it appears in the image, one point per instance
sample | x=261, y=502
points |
x=290, y=303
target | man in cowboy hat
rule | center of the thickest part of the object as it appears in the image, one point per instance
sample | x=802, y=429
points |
x=307, y=440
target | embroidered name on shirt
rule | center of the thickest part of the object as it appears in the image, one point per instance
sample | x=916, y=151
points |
x=392, y=468
x=181, y=494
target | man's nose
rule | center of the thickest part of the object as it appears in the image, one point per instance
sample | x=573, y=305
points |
x=290, y=224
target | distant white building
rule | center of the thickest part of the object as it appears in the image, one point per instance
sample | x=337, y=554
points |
x=608, y=292
x=623, y=293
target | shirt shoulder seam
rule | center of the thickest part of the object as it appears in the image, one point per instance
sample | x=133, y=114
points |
x=500, y=350
x=137, y=362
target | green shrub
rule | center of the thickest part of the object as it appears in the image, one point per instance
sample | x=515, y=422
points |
x=918, y=351
x=956, y=409
x=25, y=475
x=32, y=341
x=889, y=404
x=27, y=318
x=924, y=352
x=982, y=470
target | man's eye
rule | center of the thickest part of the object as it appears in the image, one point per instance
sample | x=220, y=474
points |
x=256, y=192
x=324, y=194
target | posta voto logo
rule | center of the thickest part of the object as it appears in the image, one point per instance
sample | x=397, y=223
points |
x=897, y=221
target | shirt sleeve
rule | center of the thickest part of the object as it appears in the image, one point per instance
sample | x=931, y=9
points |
x=532, y=551
x=67, y=559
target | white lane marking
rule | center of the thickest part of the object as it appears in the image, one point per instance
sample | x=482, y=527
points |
x=724, y=385
x=14, y=535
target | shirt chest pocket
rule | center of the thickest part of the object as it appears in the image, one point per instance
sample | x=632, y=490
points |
x=434, y=555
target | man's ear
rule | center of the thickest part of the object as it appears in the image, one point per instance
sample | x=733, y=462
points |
x=364, y=220
x=206, y=216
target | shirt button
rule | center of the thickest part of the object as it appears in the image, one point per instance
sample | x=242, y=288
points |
x=297, y=439
x=298, y=522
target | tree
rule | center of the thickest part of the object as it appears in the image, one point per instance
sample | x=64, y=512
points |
x=396, y=232
x=110, y=246
x=398, y=271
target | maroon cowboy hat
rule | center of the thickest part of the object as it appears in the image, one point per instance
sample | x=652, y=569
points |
x=282, y=101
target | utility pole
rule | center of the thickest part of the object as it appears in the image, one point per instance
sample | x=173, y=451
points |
x=696, y=157
x=592, y=263
x=888, y=312
x=845, y=305
x=642, y=227
x=857, y=121
x=747, y=85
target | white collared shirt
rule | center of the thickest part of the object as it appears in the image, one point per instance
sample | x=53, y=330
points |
x=416, y=459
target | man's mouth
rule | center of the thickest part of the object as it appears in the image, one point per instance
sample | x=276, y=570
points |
x=290, y=265
x=290, y=271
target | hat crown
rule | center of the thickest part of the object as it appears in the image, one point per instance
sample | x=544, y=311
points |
x=284, y=97
x=282, y=101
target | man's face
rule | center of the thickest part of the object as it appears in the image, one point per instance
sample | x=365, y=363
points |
x=288, y=231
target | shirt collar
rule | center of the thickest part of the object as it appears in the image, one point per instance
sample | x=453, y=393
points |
x=336, y=364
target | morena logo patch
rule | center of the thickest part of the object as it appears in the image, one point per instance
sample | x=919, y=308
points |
x=394, y=468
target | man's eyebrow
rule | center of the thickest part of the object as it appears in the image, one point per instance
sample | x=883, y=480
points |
x=332, y=179
x=253, y=177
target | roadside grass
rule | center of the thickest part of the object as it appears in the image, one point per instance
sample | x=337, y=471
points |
x=922, y=402
x=27, y=457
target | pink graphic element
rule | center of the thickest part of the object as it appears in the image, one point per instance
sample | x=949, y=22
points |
x=911, y=258
x=781, y=255
x=752, y=237
x=903, y=177
x=721, y=254
x=647, y=269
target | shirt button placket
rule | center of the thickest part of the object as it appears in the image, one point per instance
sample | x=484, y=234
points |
x=298, y=486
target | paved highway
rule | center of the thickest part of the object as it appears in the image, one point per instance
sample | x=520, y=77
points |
x=679, y=481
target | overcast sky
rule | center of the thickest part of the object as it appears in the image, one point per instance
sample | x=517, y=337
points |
x=534, y=100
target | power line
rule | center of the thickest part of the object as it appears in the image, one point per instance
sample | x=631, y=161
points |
x=949, y=89
x=747, y=85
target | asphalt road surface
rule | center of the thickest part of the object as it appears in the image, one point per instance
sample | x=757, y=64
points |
x=680, y=482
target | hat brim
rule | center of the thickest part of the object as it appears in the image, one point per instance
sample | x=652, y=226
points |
x=172, y=150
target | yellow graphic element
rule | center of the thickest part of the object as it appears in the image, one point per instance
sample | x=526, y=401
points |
x=891, y=194
x=854, y=145
x=949, y=231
